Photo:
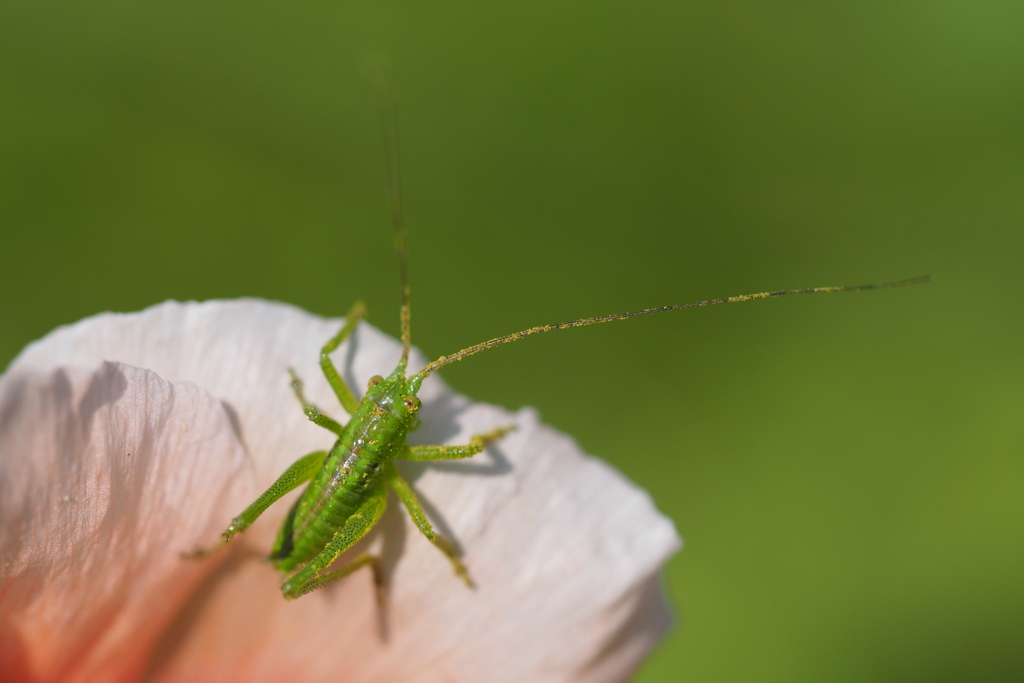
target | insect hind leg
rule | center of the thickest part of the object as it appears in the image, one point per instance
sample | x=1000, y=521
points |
x=309, y=578
x=321, y=580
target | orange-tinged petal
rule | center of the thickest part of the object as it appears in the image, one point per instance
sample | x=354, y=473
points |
x=104, y=476
x=565, y=552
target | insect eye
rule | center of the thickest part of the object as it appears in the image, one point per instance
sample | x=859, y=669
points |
x=412, y=404
x=374, y=381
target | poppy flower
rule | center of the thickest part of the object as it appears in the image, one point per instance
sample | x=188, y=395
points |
x=126, y=439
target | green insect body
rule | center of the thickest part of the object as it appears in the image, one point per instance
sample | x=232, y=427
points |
x=352, y=473
x=347, y=490
x=347, y=486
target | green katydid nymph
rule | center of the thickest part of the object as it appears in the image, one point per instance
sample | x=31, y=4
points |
x=347, y=486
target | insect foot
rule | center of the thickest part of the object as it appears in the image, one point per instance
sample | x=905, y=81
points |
x=201, y=553
x=482, y=440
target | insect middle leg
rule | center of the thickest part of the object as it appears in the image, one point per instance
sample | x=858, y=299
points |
x=356, y=526
x=301, y=471
x=476, y=444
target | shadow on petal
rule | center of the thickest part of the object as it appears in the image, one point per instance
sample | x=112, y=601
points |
x=107, y=475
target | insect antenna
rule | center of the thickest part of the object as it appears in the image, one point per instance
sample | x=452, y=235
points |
x=459, y=355
x=387, y=107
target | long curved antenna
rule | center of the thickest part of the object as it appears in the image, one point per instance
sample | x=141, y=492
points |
x=459, y=355
x=377, y=70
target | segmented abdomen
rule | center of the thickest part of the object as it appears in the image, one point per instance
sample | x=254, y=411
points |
x=349, y=475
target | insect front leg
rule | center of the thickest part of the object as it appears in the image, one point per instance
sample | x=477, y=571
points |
x=476, y=444
x=356, y=526
x=301, y=471
x=408, y=497
x=344, y=394
x=311, y=411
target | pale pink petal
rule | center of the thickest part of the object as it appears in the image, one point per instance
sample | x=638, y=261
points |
x=564, y=550
x=104, y=476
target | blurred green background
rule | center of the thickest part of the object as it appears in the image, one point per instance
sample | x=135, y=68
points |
x=847, y=471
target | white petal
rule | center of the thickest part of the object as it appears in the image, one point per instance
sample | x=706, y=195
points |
x=565, y=551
